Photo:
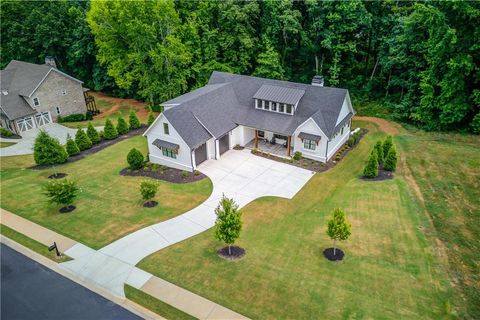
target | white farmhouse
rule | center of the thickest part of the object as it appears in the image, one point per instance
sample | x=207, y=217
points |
x=278, y=117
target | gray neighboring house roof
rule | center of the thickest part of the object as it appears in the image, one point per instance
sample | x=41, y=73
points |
x=19, y=79
x=228, y=100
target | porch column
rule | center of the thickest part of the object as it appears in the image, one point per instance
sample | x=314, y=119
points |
x=256, y=139
x=289, y=144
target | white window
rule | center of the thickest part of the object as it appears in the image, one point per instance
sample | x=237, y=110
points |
x=166, y=130
x=263, y=104
x=36, y=102
x=57, y=109
x=289, y=108
x=274, y=106
x=64, y=91
x=342, y=131
x=169, y=153
x=281, y=108
x=309, y=144
x=256, y=103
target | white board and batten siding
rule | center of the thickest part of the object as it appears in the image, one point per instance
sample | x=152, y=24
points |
x=184, y=156
x=311, y=127
x=241, y=135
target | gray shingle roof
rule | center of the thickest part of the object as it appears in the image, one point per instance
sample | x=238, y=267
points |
x=227, y=101
x=279, y=94
x=165, y=144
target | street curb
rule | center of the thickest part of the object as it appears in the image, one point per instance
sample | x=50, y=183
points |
x=125, y=303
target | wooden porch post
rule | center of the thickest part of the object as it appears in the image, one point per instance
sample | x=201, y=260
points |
x=289, y=143
x=256, y=139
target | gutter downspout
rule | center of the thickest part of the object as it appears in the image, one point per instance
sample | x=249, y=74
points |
x=326, y=152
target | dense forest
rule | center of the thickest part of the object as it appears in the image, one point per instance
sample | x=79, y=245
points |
x=419, y=60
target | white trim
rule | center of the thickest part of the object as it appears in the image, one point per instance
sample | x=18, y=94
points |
x=45, y=77
x=314, y=123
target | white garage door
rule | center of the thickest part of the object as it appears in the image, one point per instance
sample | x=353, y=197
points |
x=25, y=124
x=42, y=118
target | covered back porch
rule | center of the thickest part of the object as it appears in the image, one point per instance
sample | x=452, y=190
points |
x=270, y=142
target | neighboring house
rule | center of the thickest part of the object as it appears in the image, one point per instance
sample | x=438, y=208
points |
x=279, y=117
x=33, y=95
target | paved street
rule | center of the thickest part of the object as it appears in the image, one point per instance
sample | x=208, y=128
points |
x=32, y=291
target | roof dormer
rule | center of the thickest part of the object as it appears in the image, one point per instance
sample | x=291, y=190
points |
x=278, y=99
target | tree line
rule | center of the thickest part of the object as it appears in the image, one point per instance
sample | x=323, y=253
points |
x=418, y=59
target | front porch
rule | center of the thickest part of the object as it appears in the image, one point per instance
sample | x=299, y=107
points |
x=271, y=143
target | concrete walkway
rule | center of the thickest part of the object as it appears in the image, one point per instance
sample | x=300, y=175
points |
x=25, y=144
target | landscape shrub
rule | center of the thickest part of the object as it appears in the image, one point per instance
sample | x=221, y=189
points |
x=5, y=132
x=101, y=135
x=148, y=190
x=133, y=120
x=146, y=169
x=297, y=156
x=72, y=118
x=338, y=156
x=48, y=150
x=61, y=192
x=157, y=108
x=82, y=140
x=379, y=149
x=135, y=159
x=109, y=131
x=72, y=148
x=475, y=124
x=391, y=160
x=386, y=145
x=151, y=117
x=88, y=115
x=122, y=126
x=184, y=174
x=93, y=134
x=371, y=169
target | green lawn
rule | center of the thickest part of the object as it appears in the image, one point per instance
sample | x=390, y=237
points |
x=446, y=168
x=4, y=144
x=31, y=244
x=109, y=206
x=390, y=271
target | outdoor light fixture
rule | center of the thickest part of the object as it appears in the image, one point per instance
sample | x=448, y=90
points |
x=54, y=246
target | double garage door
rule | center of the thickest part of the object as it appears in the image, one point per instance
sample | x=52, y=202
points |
x=201, y=152
x=37, y=120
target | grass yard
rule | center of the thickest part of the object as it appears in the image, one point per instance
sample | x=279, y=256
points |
x=4, y=144
x=446, y=168
x=109, y=206
x=111, y=108
x=391, y=269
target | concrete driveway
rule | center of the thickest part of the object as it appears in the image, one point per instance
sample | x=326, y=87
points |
x=25, y=145
x=238, y=174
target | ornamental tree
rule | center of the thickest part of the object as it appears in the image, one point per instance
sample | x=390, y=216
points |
x=148, y=189
x=228, y=224
x=338, y=229
x=61, y=192
x=379, y=150
x=72, y=148
x=135, y=159
x=371, y=168
x=48, y=150
x=109, y=131
x=82, y=140
x=133, y=120
x=387, y=144
x=92, y=133
x=122, y=126
x=391, y=160
x=151, y=117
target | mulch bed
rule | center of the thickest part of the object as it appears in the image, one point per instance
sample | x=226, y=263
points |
x=313, y=165
x=165, y=174
x=14, y=136
x=67, y=209
x=150, y=204
x=57, y=176
x=328, y=253
x=96, y=148
x=382, y=175
x=237, y=253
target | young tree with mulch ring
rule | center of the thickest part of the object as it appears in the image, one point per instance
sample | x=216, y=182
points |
x=151, y=117
x=48, y=150
x=92, y=133
x=371, y=168
x=135, y=159
x=148, y=189
x=379, y=149
x=391, y=160
x=72, y=148
x=228, y=226
x=82, y=140
x=122, y=126
x=133, y=120
x=338, y=230
x=387, y=144
x=62, y=192
x=109, y=131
